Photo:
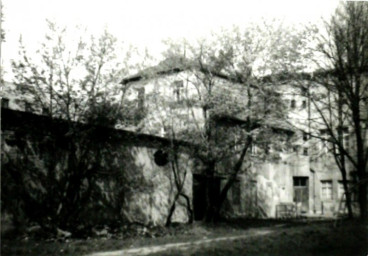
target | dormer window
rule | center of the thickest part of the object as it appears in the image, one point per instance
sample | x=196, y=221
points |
x=5, y=103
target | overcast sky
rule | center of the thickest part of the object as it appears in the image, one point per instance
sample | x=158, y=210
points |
x=144, y=23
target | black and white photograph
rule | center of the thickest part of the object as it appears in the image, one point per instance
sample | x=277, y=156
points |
x=186, y=128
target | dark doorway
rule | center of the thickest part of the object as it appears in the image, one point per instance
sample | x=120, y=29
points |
x=301, y=193
x=200, y=183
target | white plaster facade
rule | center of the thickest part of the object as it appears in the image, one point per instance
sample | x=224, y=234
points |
x=307, y=165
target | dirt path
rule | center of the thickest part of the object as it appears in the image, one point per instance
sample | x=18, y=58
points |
x=181, y=246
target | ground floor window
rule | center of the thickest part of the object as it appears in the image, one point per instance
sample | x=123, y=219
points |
x=326, y=188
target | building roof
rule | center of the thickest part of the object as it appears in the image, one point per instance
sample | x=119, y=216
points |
x=175, y=65
x=13, y=120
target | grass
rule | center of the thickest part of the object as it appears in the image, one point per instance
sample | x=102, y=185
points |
x=303, y=240
x=293, y=238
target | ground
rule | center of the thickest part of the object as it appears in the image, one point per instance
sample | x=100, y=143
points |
x=244, y=237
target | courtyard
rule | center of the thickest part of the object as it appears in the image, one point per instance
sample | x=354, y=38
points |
x=240, y=237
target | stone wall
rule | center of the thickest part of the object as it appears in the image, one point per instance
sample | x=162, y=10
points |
x=148, y=189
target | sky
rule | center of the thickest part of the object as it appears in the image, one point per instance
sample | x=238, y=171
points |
x=145, y=23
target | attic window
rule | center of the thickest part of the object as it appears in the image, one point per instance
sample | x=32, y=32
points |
x=5, y=103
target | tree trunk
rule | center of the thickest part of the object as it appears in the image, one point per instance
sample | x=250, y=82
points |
x=172, y=209
x=347, y=193
x=362, y=196
x=189, y=208
x=231, y=180
x=342, y=155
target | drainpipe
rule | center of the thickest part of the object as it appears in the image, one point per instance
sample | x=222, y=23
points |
x=314, y=190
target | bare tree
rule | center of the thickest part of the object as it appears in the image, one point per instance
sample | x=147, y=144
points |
x=338, y=93
x=75, y=85
x=239, y=109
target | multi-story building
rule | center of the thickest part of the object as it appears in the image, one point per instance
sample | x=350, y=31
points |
x=304, y=179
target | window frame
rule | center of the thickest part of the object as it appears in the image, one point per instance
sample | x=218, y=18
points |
x=178, y=89
x=293, y=104
x=304, y=104
x=326, y=196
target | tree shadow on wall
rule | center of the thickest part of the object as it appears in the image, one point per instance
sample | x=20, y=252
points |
x=68, y=178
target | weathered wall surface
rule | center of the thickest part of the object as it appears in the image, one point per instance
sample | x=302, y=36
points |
x=152, y=205
x=148, y=189
x=266, y=185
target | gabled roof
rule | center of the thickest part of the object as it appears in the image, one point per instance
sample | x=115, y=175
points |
x=168, y=66
x=175, y=65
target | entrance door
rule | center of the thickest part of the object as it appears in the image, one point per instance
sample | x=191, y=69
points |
x=301, y=193
x=199, y=197
x=199, y=194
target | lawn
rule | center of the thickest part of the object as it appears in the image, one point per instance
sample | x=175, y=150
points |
x=350, y=239
x=288, y=238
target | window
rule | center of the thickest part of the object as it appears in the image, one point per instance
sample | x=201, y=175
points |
x=236, y=193
x=324, y=132
x=292, y=104
x=305, y=151
x=305, y=136
x=253, y=149
x=296, y=149
x=346, y=137
x=326, y=144
x=5, y=103
x=326, y=189
x=304, y=91
x=300, y=181
x=178, y=89
x=346, y=142
x=304, y=104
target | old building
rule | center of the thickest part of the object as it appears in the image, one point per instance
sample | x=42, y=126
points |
x=304, y=180
x=138, y=167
